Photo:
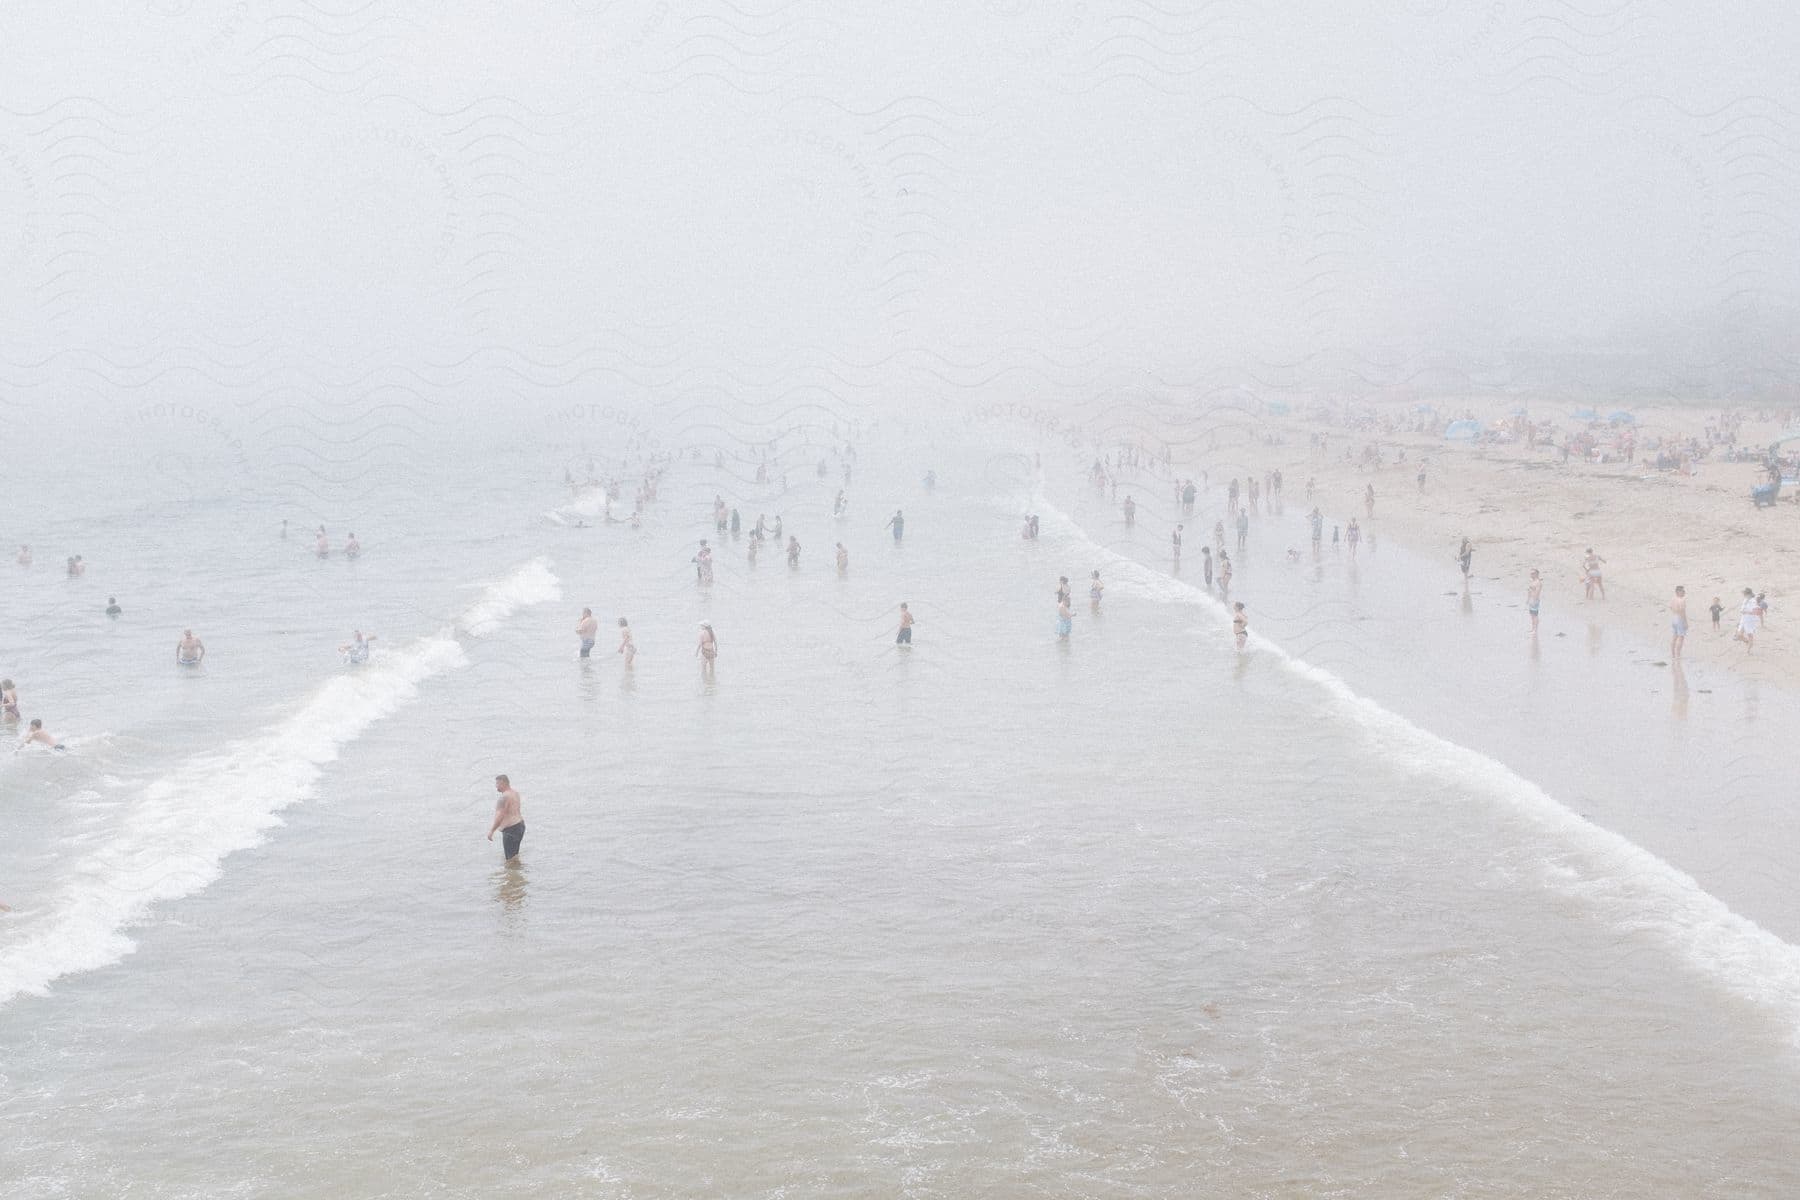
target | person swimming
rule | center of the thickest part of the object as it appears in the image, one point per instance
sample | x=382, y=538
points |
x=39, y=735
x=112, y=607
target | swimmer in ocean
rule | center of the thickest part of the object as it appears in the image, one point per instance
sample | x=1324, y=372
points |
x=509, y=818
x=37, y=733
x=1240, y=624
x=627, y=647
x=190, y=650
x=112, y=607
x=585, y=629
x=356, y=650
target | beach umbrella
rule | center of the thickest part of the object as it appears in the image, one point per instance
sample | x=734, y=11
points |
x=1585, y=414
x=1622, y=418
x=1463, y=431
x=1278, y=407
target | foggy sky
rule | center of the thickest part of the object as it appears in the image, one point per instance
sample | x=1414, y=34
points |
x=1164, y=186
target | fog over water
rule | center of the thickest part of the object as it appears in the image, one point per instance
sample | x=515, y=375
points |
x=1388, y=898
x=1159, y=184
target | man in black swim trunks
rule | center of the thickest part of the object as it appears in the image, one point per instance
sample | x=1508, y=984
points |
x=508, y=818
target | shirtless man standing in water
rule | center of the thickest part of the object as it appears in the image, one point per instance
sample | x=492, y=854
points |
x=586, y=629
x=190, y=649
x=508, y=818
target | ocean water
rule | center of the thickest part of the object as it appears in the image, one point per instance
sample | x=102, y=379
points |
x=1387, y=905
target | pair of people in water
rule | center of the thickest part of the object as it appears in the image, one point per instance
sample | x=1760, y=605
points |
x=587, y=629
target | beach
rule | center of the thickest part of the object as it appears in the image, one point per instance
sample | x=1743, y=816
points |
x=1000, y=909
x=1525, y=508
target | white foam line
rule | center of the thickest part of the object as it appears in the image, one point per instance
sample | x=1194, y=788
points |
x=1618, y=877
x=176, y=833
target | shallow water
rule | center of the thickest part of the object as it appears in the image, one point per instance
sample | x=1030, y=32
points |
x=1127, y=915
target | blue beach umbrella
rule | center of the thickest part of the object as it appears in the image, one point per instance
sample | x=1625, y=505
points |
x=1622, y=418
x=1463, y=431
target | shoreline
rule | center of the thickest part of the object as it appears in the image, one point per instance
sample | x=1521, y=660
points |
x=1523, y=508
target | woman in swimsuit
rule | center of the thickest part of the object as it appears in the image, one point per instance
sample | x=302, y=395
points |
x=1240, y=624
x=627, y=647
x=1065, y=620
x=1095, y=587
x=1224, y=572
x=9, y=701
x=708, y=649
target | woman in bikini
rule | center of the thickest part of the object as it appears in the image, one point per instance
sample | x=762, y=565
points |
x=627, y=647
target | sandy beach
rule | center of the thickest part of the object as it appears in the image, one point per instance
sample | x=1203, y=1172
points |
x=1525, y=507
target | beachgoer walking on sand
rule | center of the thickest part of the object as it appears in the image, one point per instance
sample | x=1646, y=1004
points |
x=903, y=637
x=509, y=818
x=1590, y=574
x=843, y=559
x=1369, y=501
x=1717, y=610
x=1175, y=542
x=1533, y=597
x=1677, y=621
x=793, y=551
x=1243, y=529
x=1749, y=620
x=1353, y=536
x=1465, y=554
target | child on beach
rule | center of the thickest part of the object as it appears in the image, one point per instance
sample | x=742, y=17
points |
x=1717, y=610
